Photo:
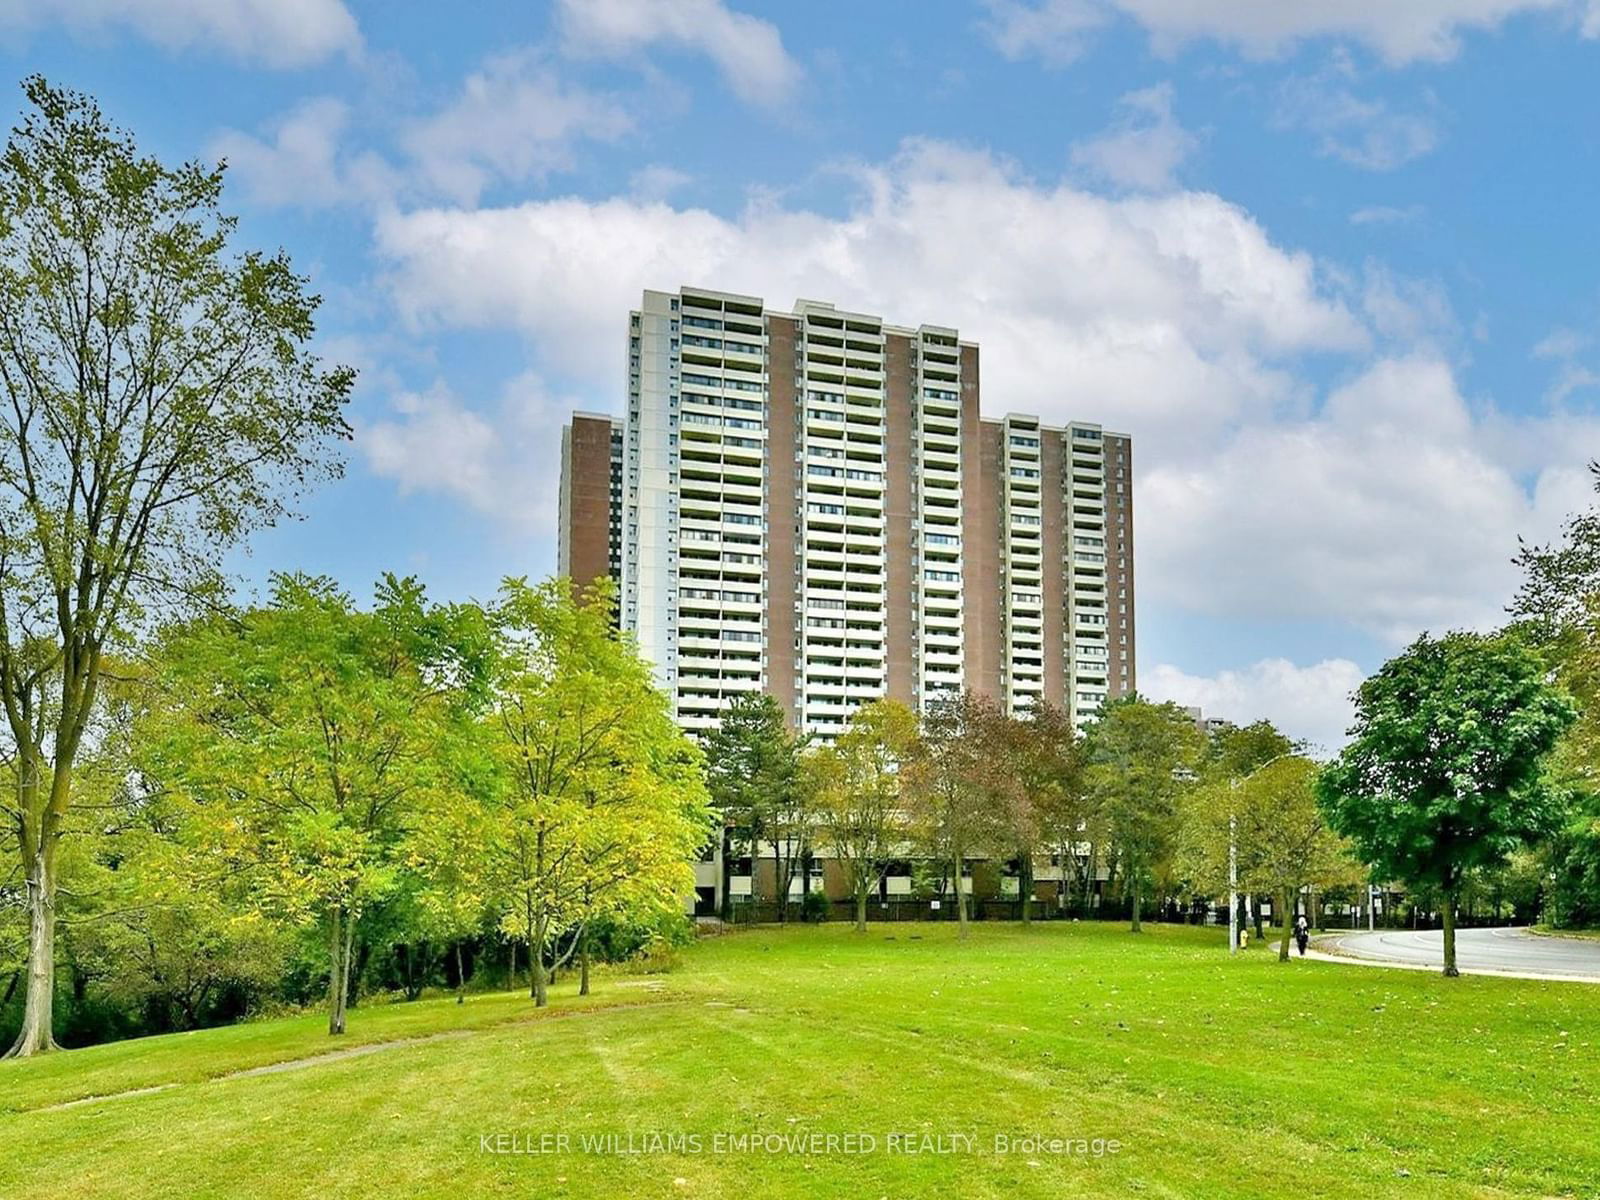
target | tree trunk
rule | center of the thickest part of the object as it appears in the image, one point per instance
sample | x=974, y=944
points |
x=727, y=876
x=1261, y=935
x=583, y=961
x=1090, y=865
x=37, y=1033
x=540, y=987
x=1025, y=887
x=861, y=908
x=338, y=968
x=1133, y=883
x=461, y=976
x=961, y=896
x=780, y=884
x=511, y=978
x=1450, y=935
x=1288, y=926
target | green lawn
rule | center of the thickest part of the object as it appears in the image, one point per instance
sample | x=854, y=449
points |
x=1219, y=1078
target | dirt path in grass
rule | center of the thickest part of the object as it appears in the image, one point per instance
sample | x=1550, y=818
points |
x=333, y=1056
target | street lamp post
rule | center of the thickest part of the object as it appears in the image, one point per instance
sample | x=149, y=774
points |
x=1233, y=886
x=1233, y=849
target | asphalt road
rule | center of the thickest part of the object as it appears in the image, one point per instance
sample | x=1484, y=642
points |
x=1476, y=950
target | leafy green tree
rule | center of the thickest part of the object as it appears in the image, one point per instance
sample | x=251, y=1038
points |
x=304, y=738
x=1572, y=852
x=1560, y=581
x=950, y=781
x=1053, y=767
x=177, y=944
x=856, y=784
x=1234, y=751
x=752, y=769
x=449, y=904
x=1445, y=773
x=1256, y=800
x=1142, y=758
x=1558, y=607
x=159, y=404
x=598, y=801
x=1282, y=837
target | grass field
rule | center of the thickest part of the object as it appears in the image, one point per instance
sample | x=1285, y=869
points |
x=1218, y=1078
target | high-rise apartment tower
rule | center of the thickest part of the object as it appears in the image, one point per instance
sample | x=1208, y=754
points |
x=809, y=503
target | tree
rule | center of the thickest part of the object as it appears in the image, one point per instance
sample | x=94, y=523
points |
x=304, y=738
x=157, y=404
x=1142, y=758
x=1236, y=750
x=1210, y=820
x=949, y=783
x=752, y=770
x=598, y=802
x=1283, y=839
x=855, y=784
x=1048, y=808
x=1572, y=853
x=1560, y=581
x=1066, y=804
x=1445, y=770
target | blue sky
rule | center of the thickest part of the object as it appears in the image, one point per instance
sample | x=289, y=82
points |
x=1331, y=262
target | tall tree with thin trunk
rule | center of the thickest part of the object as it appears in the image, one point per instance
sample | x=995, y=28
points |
x=157, y=403
x=958, y=781
x=1142, y=759
x=752, y=767
x=856, y=787
x=1444, y=773
x=1043, y=809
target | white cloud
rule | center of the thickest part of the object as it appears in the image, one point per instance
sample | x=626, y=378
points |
x=1399, y=31
x=1312, y=702
x=1364, y=133
x=748, y=51
x=1054, y=30
x=503, y=462
x=1144, y=145
x=1563, y=346
x=1561, y=342
x=515, y=119
x=1410, y=311
x=1391, y=509
x=278, y=33
x=1383, y=214
x=300, y=161
x=657, y=181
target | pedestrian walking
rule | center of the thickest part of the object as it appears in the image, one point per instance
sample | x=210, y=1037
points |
x=1302, y=933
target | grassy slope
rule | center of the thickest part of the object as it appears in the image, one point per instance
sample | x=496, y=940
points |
x=1222, y=1078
